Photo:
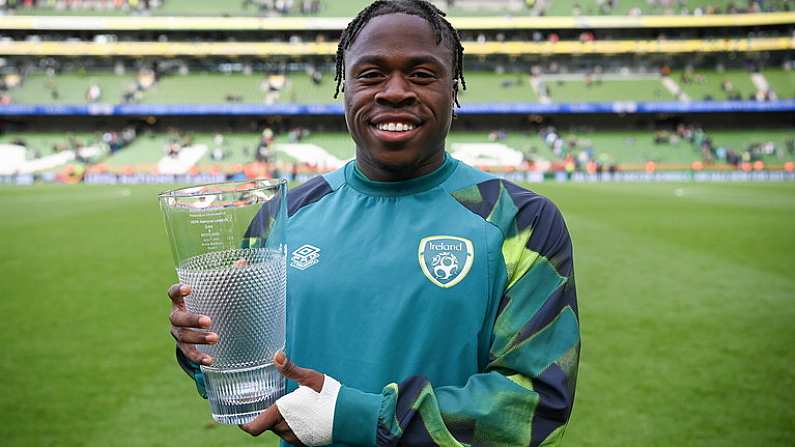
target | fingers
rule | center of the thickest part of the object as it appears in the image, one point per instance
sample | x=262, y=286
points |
x=190, y=336
x=189, y=329
x=265, y=421
x=304, y=376
x=194, y=355
x=177, y=292
x=183, y=318
x=285, y=432
x=272, y=420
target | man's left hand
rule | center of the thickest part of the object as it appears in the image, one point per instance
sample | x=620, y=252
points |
x=271, y=419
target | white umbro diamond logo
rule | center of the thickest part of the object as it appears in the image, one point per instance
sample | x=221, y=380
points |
x=305, y=256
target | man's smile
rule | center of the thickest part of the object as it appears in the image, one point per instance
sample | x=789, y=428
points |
x=395, y=128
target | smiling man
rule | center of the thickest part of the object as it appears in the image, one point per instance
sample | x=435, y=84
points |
x=429, y=303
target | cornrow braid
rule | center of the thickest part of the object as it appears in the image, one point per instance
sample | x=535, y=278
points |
x=421, y=8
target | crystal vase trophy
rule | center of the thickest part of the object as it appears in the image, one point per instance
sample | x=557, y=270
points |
x=229, y=246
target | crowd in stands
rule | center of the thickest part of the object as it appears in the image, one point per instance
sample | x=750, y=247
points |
x=690, y=76
x=313, y=7
x=283, y=7
x=276, y=84
x=144, y=80
x=711, y=152
x=669, y=7
x=264, y=7
x=178, y=140
x=262, y=150
x=135, y=6
x=680, y=7
x=576, y=154
x=87, y=150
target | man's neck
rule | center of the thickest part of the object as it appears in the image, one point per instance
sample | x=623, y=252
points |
x=383, y=173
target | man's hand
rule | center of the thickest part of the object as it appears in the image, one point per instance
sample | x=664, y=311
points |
x=271, y=419
x=187, y=328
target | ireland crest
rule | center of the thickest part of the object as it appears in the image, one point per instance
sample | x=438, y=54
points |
x=445, y=260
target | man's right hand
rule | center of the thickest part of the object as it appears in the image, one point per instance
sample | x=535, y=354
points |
x=187, y=328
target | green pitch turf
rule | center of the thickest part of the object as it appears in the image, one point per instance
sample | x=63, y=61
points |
x=609, y=90
x=781, y=81
x=71, y=88
x=685, y=297
x=698, y=90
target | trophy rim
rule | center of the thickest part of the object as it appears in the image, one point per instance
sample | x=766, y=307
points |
x=261, y=183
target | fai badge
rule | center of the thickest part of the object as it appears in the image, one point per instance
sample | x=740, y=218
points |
x=445, y=260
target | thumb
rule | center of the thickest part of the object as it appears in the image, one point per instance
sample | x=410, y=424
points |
x=303, y=376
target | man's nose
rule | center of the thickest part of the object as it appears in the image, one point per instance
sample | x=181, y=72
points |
x=397, y=92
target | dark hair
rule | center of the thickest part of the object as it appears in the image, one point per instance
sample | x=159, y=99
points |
x=421, y=8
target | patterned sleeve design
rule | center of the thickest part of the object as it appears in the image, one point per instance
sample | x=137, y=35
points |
x=525, y=394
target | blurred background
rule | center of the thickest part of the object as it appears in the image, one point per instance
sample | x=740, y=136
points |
x=664, y=129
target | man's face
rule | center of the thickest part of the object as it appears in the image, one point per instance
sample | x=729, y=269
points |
x=398, y=94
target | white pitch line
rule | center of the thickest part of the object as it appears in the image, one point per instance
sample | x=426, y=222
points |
x=674, y=88
x=542, y=98
x=760, y=81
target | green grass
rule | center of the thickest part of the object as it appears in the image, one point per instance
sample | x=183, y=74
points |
x=740, y=79
x=685, y=306
x=45, y=142
x=146, y=149
x=781, y=81
x=203, y=88
x=610, y=90
x=71, y=88
x=490, y=87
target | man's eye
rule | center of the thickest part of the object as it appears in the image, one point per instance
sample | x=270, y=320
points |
x=369, y=74
x=423, y=74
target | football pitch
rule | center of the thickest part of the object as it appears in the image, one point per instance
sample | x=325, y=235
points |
x=685, y=294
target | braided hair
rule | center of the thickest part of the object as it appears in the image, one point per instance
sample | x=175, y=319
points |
x=421, y=8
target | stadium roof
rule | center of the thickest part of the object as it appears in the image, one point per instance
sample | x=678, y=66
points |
x=48, y=23
x=169, y=49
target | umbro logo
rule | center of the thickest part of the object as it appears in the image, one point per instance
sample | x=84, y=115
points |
x=305, y=256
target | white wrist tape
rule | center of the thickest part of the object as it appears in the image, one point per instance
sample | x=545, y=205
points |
x=310, y=414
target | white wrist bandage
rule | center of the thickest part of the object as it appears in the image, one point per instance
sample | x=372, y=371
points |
x=310, y=414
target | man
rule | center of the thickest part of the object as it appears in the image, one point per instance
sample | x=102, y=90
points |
x=441, y=309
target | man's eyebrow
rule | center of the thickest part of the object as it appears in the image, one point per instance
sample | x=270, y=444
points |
x=413, y=61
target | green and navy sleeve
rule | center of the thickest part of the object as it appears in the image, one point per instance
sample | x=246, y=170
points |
x=524, y=396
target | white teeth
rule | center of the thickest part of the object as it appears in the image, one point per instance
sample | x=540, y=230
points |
x=395, y=127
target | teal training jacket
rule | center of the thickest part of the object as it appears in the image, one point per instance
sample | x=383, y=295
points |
x=445, y=305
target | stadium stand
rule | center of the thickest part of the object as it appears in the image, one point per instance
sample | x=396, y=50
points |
x=349, y=7
x=552, y=86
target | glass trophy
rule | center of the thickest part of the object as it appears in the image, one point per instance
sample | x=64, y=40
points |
x=229, y=246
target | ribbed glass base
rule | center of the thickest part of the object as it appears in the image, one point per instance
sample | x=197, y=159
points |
x=237, y=396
